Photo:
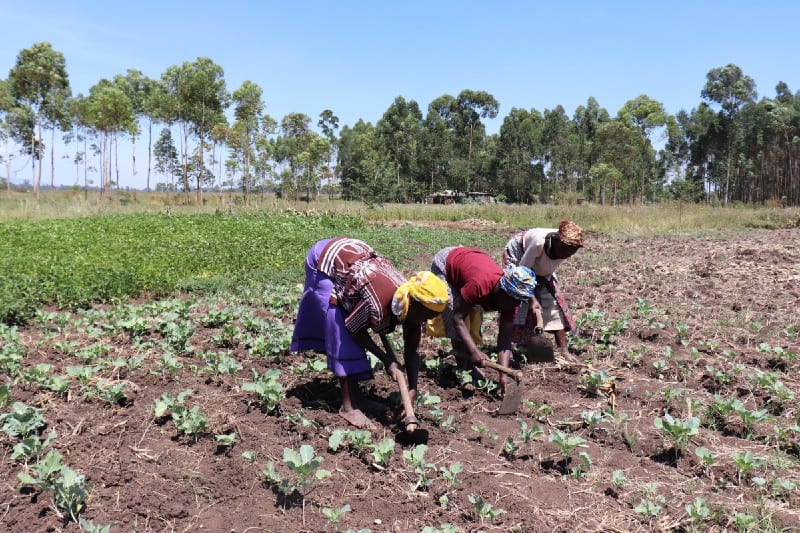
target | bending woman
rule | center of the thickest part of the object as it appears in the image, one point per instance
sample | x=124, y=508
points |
x=475, y=283
x=349, y=290
x=543, y=250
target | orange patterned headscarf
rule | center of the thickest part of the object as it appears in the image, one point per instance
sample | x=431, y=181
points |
x=570, y=233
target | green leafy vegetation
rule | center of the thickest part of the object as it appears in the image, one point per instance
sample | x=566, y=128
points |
x=132, y=359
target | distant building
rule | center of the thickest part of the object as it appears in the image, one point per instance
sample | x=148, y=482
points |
x=452, y=197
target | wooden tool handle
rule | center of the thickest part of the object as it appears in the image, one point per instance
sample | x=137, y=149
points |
x=539, y=327
x=410, y=419
x=516, y=374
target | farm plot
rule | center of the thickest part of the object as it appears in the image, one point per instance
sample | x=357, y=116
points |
x=188, y=413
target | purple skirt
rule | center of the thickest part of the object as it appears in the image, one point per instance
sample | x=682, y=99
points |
x=320, y=326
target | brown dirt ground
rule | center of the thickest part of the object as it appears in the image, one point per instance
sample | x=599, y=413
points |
x=736, y=294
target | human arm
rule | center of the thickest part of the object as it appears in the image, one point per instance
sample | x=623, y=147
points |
x=412, y=334
x=386, y=355
x=505, y=329
x=460, y=313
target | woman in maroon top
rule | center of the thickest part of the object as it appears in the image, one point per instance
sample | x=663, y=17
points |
x=476, y=282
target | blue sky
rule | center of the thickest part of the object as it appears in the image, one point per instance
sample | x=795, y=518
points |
x=356, y=57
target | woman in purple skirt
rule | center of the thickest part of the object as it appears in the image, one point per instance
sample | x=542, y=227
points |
x=349, y=290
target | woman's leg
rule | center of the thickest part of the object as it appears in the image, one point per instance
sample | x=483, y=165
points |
x=348, y=410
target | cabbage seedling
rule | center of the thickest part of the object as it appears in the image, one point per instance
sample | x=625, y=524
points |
x=681, y=431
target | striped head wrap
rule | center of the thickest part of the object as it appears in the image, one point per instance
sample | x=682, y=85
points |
x=518, y=282
x=426, y=288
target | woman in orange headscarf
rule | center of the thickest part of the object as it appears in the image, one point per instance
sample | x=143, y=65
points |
x=543, y=250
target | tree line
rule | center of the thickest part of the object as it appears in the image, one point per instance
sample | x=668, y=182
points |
x=732, y=147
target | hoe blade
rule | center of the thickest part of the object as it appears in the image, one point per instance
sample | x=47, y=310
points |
x=539, y=349
x=512, y=398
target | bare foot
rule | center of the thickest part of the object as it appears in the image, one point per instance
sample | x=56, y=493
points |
x=357, y=419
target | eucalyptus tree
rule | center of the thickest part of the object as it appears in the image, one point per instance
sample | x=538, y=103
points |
x=305, y=152
x=39, y=84
x=557, y=134
x=328, y=124
x=519, y=169
x=675, y=147
x=56, y=118
x=472, y=108
x=197, y=100
x=110, y=112
x=768, y=149
x=730, y=88
x=587, y=120
x=78, y=107
x=438, y=143
x=685, y=184
x=248, y=109
x=198, y=171
x=485, y=177
x=706, y=141
x=398, y=133
x=356, y=145
x=159, y=106
x=648, y=117
x=463, y=118
x=611, y=175
x=786, y=164
x=220, y=137
x=605, y=179
x=265, y=165
x=6, y=105
x=314, y=158
x=295, y=136
x=166, y=157
x=137, y=87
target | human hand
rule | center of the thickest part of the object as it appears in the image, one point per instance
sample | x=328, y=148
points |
x=478, y=359
x=394, y=368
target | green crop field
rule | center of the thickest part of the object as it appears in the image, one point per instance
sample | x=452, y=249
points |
x=144, y=352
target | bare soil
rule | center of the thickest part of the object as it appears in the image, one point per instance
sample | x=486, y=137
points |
x=670, y=322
